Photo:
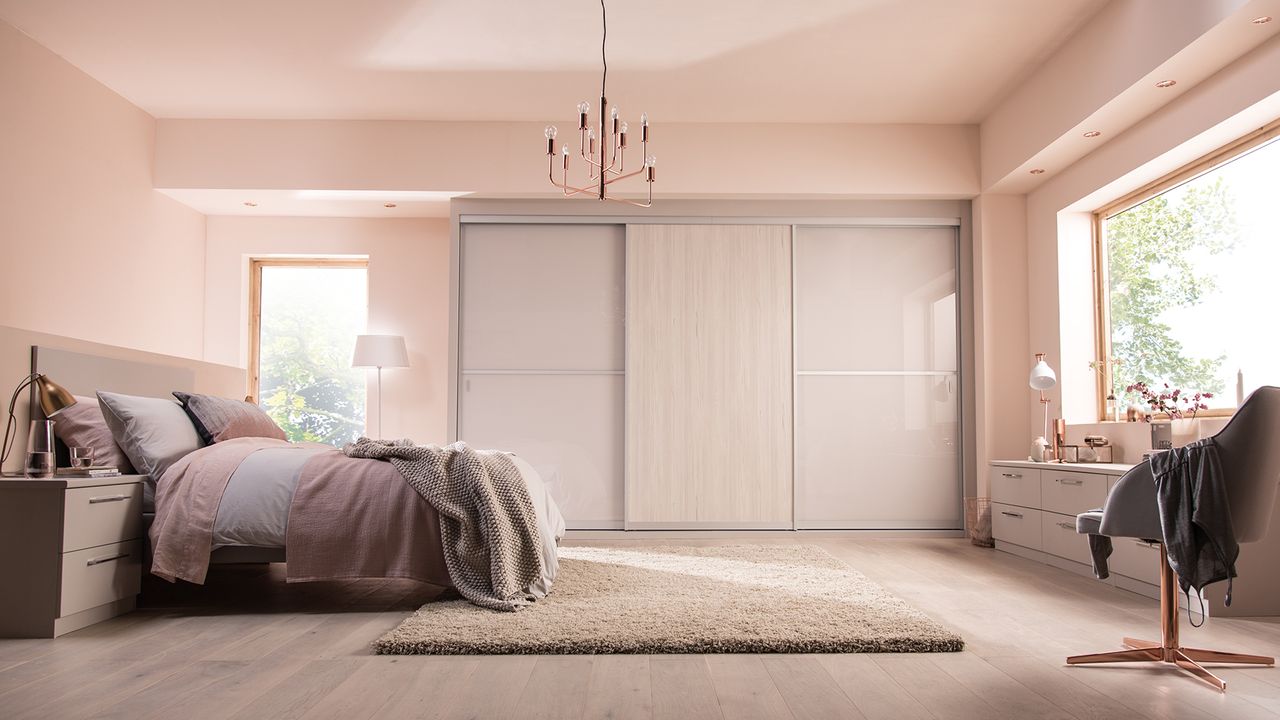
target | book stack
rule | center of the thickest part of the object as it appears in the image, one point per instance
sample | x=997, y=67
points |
x=95, y=471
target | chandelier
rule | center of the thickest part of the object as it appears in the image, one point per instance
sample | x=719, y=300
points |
x=603, y=145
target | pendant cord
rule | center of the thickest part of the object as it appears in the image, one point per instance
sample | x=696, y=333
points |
x=604, y=22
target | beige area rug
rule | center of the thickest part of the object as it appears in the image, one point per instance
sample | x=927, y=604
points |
x=666, y=599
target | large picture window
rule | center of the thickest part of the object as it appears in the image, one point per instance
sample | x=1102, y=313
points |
x=1189, y=271
x=305, y=315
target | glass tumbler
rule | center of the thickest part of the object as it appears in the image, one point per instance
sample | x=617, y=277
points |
x=81, y=457
x=40, y=460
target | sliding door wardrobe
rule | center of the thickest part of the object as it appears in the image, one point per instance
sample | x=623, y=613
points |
x=541, y=356
x=877, y=384
x=696, y=374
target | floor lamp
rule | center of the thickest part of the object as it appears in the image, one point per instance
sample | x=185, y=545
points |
x=380, y=351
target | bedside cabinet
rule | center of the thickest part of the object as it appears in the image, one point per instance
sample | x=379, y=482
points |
x=70, y=552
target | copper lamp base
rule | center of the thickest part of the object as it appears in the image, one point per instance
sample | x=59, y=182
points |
x=1168, y=650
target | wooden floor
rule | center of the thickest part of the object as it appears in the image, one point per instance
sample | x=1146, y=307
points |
x=249, y=646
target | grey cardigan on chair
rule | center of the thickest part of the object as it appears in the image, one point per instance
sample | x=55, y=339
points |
x=1247, y=455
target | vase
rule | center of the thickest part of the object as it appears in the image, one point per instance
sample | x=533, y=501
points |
x=1168, y=434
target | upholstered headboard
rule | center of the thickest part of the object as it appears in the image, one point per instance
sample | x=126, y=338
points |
x=85, y=374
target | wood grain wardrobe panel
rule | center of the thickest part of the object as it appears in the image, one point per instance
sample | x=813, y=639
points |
x=709, y=376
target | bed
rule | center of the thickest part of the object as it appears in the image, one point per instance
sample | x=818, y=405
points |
x=252, y=496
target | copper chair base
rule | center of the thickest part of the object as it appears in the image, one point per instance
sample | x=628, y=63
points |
x=1168, y=650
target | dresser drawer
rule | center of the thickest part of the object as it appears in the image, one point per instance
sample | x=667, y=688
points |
x=99, y=575
x=1060, y=538
x=1015, y=486
x=1135, y=559
x=1017, y=525
x=100, y=515
x=1071, y=493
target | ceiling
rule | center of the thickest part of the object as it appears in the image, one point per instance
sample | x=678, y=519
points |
x=865, y=61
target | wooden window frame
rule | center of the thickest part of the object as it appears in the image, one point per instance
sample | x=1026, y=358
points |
x=1102, y=305
x=256, y=264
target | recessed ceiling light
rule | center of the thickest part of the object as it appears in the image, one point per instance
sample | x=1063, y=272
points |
x=1093, y=133
x=1262, y=20
x=250, y=203
x=1166, y=83
x=1037, y=171
x=388, y=205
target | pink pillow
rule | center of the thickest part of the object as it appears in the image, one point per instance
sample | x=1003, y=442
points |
x=82, y=425
x=217, y=419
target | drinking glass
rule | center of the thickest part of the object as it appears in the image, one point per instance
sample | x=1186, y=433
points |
x=81, y=457
x=40, y=458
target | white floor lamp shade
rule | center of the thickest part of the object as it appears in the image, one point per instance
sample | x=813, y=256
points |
x=380, y=351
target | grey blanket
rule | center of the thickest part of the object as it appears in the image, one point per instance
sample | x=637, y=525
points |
x=487, y=522
x=1194, y=515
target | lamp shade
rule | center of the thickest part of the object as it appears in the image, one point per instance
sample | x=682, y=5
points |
x=380, y=351
x=53, y=397
x=1042, y=376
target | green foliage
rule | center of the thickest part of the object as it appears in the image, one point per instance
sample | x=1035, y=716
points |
x=1153, y=251
x=307, y=385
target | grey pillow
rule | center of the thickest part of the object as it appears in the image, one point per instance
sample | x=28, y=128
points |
x=83, y=425
x=154, y=433
x=217, y=419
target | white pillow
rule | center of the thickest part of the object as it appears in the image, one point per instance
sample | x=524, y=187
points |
x=153, y=432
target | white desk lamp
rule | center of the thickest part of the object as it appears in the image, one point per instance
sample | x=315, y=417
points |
x=1043, y=378
x=380, y=351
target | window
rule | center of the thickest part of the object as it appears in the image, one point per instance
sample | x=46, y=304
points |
x=1188, y=271
x=304, y=317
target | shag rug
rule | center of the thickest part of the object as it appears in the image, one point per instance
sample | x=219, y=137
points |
x=666, y=599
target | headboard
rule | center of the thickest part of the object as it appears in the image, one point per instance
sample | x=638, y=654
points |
x=85, y=374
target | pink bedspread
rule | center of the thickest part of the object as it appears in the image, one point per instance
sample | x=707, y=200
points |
x=349, y=518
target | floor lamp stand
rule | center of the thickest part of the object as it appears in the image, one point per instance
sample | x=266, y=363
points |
x=380, y=402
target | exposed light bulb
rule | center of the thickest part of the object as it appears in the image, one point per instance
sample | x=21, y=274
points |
x=613, y=112
x=584, y=107
x=651, y=161
x=550, y=132
x=564, y=149
x=644, y=118
x=623, y=128
x=591, y=133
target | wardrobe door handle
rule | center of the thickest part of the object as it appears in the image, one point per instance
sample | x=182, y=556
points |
x=1011, y=514
x=1070, y=481
x=1066, y=526
x=1011, y=475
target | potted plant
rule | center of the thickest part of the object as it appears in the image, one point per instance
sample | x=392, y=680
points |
x=1181, y=409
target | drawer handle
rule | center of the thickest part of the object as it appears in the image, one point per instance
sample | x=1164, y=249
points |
x=1011, y=475
x=1011, y=514
x=1070, y=481
x=1066, y=526
x=105, y=559
x=108, y=498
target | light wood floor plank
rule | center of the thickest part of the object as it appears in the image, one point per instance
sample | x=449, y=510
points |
x=873, y=692
x=808, y=689
x=745, y=688
x=619, y=689
x=682, y=688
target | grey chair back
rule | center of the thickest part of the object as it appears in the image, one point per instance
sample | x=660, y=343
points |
x=1249, y=448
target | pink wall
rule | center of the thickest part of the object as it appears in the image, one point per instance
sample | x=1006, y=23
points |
x=408, y=295
x=89, y=248
x=508, y=158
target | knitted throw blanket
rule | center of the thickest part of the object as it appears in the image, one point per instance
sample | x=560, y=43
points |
x=487, y=522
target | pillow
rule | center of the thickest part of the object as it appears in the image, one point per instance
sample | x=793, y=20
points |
x=82, y=425
x=217, y=419
x=153, y=432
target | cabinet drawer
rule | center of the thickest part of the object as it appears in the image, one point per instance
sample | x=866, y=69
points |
x=1015, y=486
x=100, y=515
x=1071, y=493
x=1017, y=525
x=1060, y=538
x=96, y=576
x=1135, y=559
